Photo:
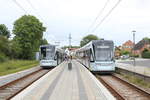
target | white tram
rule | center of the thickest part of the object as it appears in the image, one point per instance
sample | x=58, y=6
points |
x=97, y=56
x=50, y=56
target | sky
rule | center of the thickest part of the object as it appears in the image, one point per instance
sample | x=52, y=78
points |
x=75, y=17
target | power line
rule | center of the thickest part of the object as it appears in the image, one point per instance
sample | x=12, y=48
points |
x=36, y=11
x=32, y=6
x=100, y=12
x=106, y=15
x=20, y=6
x=23, y=9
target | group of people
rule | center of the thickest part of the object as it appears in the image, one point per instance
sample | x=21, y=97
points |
x=68, y=57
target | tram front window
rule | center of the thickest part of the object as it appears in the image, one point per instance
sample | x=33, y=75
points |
x=47, y=53
x=103, y=54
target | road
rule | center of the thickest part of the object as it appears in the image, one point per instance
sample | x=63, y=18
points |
x=145, y=63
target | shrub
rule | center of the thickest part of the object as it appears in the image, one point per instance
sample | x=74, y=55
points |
x=4, y=46
x=145, y=54
x=3, y=57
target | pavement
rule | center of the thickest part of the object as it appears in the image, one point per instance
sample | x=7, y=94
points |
x=142, y=66
x=139, y=62
x=64, y=84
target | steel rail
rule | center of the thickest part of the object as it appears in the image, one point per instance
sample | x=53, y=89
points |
x=11, y=89
x=111, y=89
x=117, y=94
x=132, y=85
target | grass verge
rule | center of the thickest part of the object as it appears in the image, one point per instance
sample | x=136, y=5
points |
x=137, y=81
x=13, y=66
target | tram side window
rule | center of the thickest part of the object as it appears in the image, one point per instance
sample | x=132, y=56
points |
x=84, y=54
x=88, y=53
x=91, y=57
x=43, y=53
x=56, y=55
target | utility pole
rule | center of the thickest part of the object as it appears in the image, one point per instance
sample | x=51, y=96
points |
x=70, y=40
x=134, y=47
x=70, y=64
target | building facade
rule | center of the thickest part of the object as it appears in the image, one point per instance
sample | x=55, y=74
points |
x=128, y=46
x=140, y=46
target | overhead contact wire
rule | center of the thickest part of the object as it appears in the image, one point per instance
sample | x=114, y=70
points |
x=99, y=14
x=106, y=15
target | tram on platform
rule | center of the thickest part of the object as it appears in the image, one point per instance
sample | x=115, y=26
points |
x=97, y=56
x=50, y=56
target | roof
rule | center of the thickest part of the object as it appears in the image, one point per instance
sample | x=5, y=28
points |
x=129, y=42
x=140, y=44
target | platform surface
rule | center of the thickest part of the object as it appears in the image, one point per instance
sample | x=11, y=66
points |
x=139, y=67
x=64, y=84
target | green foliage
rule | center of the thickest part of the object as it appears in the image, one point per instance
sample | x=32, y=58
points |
x=145, y=53
x=15, y=50
x=136, y=56
x=3, y=58
x=28, y=32
x=43, y=42
x=146, y=38
x=136, y=80
x=87, y=39
x=145, y=50
x=125, y=52
x=13, y=66
x=4, y=31
x=4, y=46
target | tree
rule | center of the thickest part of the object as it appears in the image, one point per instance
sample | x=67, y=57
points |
x=146, y=38
x=87, y=39
x=43, y=42
x=28, y=32
x=145, y=53
x=4, y=48
x=123, y=52
x=4, y=31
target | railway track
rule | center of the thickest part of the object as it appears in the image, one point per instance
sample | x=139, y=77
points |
x=121, y=89
x=13, y=88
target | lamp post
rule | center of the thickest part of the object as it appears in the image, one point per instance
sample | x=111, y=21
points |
x=134, y=47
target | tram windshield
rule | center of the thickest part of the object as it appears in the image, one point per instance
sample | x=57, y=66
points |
x=103, y=53
x=47, y=52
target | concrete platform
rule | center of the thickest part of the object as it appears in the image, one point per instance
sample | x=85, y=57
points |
x=138, y=69
x=63, y=84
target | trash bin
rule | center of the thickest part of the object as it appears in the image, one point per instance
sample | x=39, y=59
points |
x=69, y=65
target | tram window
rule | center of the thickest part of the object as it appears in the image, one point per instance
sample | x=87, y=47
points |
x=88, y=53
x=91, y=57
x=43, y=53
x=55, y=56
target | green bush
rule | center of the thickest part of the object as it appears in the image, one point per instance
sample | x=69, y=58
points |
x=123, y=52
x=3, y=58
x=136, y=56
x=146, y=54
x=4, y=46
